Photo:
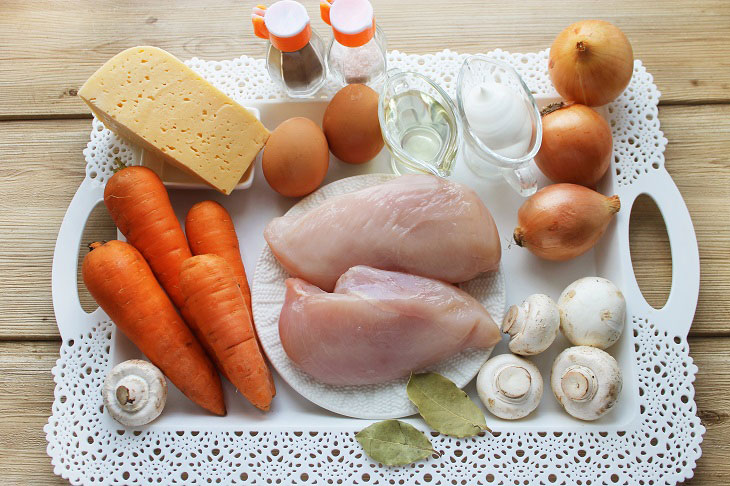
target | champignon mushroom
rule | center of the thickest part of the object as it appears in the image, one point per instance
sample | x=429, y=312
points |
x=509, y=386
x=592, y=312
x=135, y=392
x=586, y=381
x=533, y=325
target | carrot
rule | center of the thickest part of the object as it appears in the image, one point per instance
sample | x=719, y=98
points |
x=140, y=207
x=209, y=229
x=220, y=318
x=122, y=283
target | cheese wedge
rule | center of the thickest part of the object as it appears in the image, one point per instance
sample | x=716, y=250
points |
x=147, y=96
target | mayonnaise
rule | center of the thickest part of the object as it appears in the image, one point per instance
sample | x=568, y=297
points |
x=500, y=118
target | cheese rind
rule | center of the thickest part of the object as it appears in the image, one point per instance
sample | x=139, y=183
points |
x=150, y=98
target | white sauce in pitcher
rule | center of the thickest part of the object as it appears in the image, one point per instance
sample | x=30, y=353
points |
x=500, y=118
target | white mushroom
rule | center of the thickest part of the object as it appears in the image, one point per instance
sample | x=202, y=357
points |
x=135, y=392
x=509, y=386
x=592, y=312
x=533, y=325
x=586, y=381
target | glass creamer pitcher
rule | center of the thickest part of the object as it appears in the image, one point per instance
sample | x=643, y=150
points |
x=502, y=129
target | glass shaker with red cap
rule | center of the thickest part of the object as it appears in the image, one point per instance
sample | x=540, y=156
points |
x=295, y=57
x=356, y=52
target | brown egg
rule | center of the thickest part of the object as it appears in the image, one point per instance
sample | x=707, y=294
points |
x=351, y=124
x=295, y=157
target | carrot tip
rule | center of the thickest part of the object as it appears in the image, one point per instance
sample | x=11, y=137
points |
x=221, y=412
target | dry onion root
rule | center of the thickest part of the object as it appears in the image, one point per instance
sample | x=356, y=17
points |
x=591, y=62
x=563, y=221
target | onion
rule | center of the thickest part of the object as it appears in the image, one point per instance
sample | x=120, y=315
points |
x=576, y=145
x=562, y=221
x=591, y=62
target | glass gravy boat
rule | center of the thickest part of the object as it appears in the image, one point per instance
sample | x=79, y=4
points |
x=419, y=124
x=483, y=160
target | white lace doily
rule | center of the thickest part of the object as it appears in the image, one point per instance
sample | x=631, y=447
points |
x=659, y=448
x=378, y=401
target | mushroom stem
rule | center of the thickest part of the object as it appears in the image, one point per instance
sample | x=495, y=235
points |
x=131, y=392
x=509, y=386
x=586, y=381
x=579, y=383
x=513, y=382
x=515, y=315
x=532, y=325
x=123, y=395
x=134, y=392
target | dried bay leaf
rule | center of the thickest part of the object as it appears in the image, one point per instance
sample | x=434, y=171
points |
x=394, y=443
x=444, y=406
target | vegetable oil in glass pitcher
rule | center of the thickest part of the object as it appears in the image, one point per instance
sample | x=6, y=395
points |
x=419, y=125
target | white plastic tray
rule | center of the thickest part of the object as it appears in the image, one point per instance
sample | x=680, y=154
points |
x=655, y=418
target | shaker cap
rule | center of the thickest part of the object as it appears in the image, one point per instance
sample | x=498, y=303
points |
x=352, y=21
x=285, y=23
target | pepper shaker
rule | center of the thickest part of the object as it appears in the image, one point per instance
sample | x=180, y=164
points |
x=356, y=53
x=295, y=57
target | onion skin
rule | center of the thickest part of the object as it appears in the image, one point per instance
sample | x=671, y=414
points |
x=563, y=221
x=576, y=145
x=591, y=62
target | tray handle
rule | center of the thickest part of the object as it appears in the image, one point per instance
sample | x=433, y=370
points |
x=71, y=318
x=678, y=312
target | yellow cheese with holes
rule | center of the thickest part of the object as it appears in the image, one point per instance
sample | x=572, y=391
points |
x=149, y=97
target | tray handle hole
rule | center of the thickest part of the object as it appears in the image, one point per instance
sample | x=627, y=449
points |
x=651, y=254
x=99, y=227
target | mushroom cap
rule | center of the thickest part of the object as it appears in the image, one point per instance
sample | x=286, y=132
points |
x=533, y=325
x=592, y=312
x=509, y=386
x=586, y=381
x=135, y=392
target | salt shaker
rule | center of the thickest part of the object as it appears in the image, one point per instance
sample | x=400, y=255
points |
x=295, y=57
x=356, y=53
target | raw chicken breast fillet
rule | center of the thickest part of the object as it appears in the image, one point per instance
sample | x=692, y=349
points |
x=379, y=325
x=419, y=224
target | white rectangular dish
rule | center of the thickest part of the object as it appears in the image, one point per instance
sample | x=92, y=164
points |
x=655, y=417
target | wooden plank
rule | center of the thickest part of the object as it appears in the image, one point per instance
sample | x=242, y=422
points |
x=703, y=177
x=26, y=394
x=49, y=48
x=41, y=166
x=712, y=395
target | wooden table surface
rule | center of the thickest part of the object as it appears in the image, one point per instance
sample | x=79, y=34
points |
x=49, y=48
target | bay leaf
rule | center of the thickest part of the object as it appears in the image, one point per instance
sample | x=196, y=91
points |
x=444, y=406
x=394, y=443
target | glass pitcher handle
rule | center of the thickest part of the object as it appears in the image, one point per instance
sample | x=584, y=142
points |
x=522, y=180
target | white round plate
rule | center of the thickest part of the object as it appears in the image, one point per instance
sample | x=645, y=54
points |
x=378, y=401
